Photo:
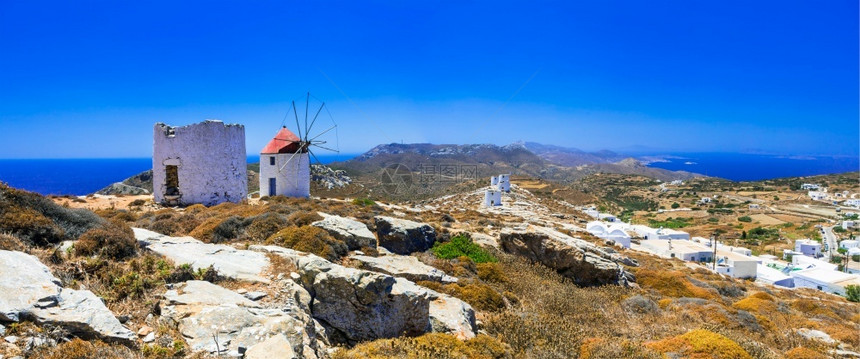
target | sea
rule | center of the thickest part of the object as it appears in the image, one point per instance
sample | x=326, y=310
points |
x=84, y=176
x=755, y=167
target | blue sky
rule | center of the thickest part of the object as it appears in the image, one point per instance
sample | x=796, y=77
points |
x=89, y=79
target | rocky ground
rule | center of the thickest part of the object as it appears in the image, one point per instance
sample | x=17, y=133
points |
x=319, y=278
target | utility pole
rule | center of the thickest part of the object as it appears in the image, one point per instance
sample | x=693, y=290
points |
x=714, y=241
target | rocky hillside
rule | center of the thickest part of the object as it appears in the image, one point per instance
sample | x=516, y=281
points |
x=334, y=278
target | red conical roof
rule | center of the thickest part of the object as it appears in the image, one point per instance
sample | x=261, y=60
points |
x=284, y=142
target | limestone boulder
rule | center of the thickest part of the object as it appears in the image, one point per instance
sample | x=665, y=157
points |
x=29, y=291
x=228, y=261
x=357, y=305
x=276, y=347
x=403, y=236
x=585, y=263
x=402, y=266
x=446, y=313
x=216, y=320
x=354, y=233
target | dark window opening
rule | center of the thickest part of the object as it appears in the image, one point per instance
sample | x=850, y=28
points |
x=272, y=160
x=171, y=180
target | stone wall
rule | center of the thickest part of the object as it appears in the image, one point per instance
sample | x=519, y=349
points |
x=211, y=161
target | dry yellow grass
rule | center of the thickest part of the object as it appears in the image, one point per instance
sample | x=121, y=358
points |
x=701, y=344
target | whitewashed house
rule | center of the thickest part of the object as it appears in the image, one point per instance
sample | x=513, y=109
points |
x=849, y=243
x=808, y=247
x=736, y=265
x=824, y=279
x=285, y=166
x=852, y=203
x=610, y=232
x=817, y=195
x=810, y=186
x=201, y=163
x=773, y=276
x=684, y=250
x=848, y=224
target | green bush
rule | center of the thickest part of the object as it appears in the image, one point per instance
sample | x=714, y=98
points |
x=462, y=245
x=746, y=219
x=364, y=202
x=852, y=292
x=675, y=205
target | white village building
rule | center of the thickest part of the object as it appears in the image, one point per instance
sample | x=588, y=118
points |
x=684, y=250
x=818, y=196
x=649, y=233
x=852, y=203
x=766, y=274
x=824, y=279
x=612, y=232
x=808, y=247
x=810, y=186
x=848, y=224
x=285, y=166
x=849, y=243
x=736, y=265
x=201, y=163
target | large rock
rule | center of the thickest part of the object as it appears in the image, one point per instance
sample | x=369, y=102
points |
x=354, y=233
x=402, y=266
x=216, y=320
x=29, y=291
x=404, y=236
x=228, y=261
x=446, y=313
x=583, y=262
x=361, y=305
x=276, y=347
x=357, y=305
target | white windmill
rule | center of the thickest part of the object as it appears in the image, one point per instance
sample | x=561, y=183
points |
x=285, y=160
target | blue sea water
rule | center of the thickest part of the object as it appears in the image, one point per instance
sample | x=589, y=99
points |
x=754, y=167
x=85, y=176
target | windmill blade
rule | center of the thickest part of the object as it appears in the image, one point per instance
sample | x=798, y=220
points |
x=325, y=148
x=315, y=117
x=307, y=104
x=288, y=162
x=315, y=156
x=298, y=128
x=322, y=133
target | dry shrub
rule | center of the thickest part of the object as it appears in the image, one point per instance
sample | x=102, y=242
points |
x=195, y=208
x=115, y=240
x=310, y=239
x=304, y=218
x=804, y=353
x=760, y=302
x=600, y=348
x=9, y=242
x=432, y=345
x=39, y=221
x=843, y=333
x=117, y=214
x=279, y=264
x=491, y=272
x=205, y=229
x=700, y=343
x=31, y=226
x=229, y=229
x=79, y=349
x=264, y=226
x=479, y=295
x=671, y=284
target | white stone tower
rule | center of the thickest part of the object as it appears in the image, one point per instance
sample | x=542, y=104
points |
x=492, y=197
x=201, y=163
x=504, y=183
x=285, y=167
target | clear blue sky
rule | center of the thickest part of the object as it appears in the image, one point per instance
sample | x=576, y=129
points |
x=88, y=79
